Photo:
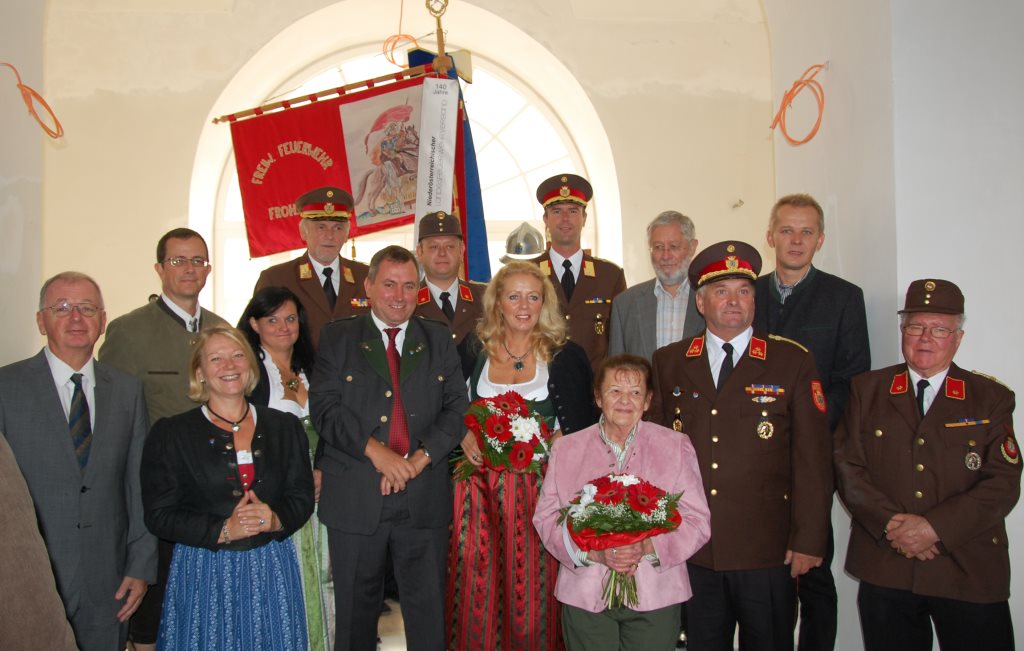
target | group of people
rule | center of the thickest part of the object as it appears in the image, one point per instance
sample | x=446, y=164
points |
x=255, y=487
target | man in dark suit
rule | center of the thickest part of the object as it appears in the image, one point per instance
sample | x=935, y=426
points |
x=443, y=296
x=585, y=285
x=826, y=314
x=77, y=429
x=662, y=310
x=329, y=286
x=754, y=409
x=928, y=465
x=154, y=343
x=388, y=420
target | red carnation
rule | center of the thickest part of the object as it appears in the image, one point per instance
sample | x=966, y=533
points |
x=499, y=427
x=643, y=497
x=520, y=456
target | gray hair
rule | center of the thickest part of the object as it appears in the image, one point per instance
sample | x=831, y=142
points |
x=71, y=277
x=673, y=218
x=961, y=319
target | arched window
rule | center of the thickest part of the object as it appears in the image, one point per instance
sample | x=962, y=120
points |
x=519, y=138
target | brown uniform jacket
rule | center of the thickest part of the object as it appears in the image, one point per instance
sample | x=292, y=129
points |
x=469, y=307
x=762, y=444
x=588, y=315
x=889, y=460
x=299, y=276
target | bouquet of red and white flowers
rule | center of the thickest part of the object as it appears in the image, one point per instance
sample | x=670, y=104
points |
x=511, y=435
x=616, y=510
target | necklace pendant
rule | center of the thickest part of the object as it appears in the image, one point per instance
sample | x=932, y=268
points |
x=235, y=427
x=518, y=365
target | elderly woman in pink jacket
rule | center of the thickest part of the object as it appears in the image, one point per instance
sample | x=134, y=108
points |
x=622, y=443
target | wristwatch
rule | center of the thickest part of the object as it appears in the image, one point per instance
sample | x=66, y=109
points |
x=653, y=559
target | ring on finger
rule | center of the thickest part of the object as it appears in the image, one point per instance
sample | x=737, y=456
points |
x=262, y=522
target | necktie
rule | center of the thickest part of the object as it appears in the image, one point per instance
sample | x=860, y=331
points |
x=568, y=280
x=398, y=439
x=332, y=296
x=727, y=366
x=78, y=421
x=446, y=306
x=921, y=386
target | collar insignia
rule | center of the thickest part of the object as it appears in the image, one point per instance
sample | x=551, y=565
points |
x=588, y=269
x=465, y=293
x=545, y=267
x=696, y=347
x=347, y=273
x=899, y=384
x=955, y=388
x=758, y=348
x=305, y=272
x=423, y=296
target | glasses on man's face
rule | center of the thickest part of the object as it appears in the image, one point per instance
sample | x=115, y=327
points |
x=937, y=332
x=64, y=308
x=181, y=261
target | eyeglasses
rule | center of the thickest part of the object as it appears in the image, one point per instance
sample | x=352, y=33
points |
x=180, y=261
x=64, y=308
x=937, y=332
x=675, y=249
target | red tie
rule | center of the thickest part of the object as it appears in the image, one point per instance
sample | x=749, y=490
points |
x=398, y=439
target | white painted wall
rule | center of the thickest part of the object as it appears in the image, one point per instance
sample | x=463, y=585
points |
x=21, y=172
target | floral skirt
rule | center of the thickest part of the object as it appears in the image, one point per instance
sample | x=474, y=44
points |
x=501, y=582
x=234, y=600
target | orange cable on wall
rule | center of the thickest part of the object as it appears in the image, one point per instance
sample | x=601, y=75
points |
x=30, y=96
x=392, y=42
x=806, y=80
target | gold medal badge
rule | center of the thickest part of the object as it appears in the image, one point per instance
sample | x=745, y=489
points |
x=677, y=422
x=598, y=324
x=972, y=460
x=765, y=429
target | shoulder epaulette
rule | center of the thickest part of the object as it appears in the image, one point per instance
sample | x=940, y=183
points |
x=795, y=343
x=994, y=379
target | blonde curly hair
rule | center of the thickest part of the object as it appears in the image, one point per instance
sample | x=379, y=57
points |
x=548, y=335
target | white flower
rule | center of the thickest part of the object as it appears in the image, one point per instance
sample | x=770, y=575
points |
x=626, y=480
x=524, y=429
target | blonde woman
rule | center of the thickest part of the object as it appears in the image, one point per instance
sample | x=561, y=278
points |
x=501, y=581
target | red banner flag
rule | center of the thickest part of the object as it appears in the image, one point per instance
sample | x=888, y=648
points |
x=366, y=142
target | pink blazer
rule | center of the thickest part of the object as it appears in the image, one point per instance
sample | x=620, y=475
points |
x=659, y=455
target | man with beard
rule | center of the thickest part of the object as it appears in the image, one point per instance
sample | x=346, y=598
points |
x=662, y=310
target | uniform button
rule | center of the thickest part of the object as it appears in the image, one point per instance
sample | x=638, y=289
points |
x=453, y=335
x=236, y=493
x=714, y=466
x=920, y=467
x=229, y=446
x=972, y=443
x=348, y=378
x=568, y=316
x=387, y=394
x=878, y=433
x=714, y=412
x=995, y=541
x=257, y=453
x=714, y=491
x=764, y=413
x=918, y=494
x=383, y=419
x=440, y=378
x=785, y=496
x=714, y=439
x=920, y=441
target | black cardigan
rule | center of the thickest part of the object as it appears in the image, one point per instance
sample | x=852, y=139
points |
x=570, y=381
x=190, y=481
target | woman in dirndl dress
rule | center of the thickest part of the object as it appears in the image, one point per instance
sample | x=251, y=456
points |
x=229, y=483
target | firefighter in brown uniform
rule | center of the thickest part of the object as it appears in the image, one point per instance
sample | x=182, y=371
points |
x=927, y=464
x=329, y=286
x=443, y=296
x=754, y=409
x=585, y=285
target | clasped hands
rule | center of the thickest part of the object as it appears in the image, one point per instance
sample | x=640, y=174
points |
x=624, y=559
x=250, y=516
x=912, y=536
x=395, y=470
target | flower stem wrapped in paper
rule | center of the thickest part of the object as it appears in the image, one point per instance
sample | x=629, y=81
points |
x=511, y=436
x=616, y=510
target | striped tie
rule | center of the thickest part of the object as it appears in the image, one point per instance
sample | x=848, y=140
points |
x=78, y=422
